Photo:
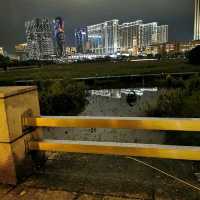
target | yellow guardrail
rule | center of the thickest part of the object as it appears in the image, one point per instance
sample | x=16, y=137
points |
x=18, y=134
x=122, y=149
x=165, y=124
x=112, y=148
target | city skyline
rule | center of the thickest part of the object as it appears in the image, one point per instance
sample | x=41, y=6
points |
x=79, y=13
x=133, y=38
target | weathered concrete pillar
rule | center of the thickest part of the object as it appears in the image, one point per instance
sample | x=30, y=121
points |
x=16, y=103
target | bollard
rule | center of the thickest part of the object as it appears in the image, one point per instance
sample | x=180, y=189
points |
x=15, y=160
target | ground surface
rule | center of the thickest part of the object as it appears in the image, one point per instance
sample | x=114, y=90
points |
x=78, y=177
x=69, y=71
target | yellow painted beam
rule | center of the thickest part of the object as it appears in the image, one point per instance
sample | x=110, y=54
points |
x=166, y=124
x=122, y=149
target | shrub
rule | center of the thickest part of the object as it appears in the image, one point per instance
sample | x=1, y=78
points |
x=4, y=62
x=194, y=55
x=168, y=104
x=193, y=84
x=178, y=103
x=62, y=98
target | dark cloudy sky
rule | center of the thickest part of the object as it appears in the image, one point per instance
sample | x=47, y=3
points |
x=178, y=14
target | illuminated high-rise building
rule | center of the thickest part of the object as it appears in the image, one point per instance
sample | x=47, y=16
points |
x=59, y=37
x=96, y=38
x=131, y=38
x=197, y=20
x=129, y=34
x=39, y=38
x=81, y=38
x=104, y=37
x=148, y=34
x=162, y=34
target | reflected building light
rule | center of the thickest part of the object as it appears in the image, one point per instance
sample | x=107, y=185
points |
x=94, y=36
x=119, y=93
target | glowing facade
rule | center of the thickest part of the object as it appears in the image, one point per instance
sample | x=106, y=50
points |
x=197, y=20
x=20, y=50
x=148, y=34
x=59, y=36
x=162, y=34
x=1, y=51
x=71, y=51
x=130, y=37
x=104, y=38
x=81, y=38
x=134, y=37
x=39, y=38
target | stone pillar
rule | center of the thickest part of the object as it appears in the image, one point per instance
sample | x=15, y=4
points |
x=15, y=103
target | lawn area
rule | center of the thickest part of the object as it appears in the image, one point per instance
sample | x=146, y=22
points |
x=69, y=71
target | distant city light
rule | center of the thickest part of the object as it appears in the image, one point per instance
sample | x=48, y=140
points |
x=45, y=39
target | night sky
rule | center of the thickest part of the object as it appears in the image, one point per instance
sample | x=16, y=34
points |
x=178, y=14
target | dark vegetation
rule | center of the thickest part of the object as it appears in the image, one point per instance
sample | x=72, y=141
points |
x=183, y=102
x=62, y=98
x=6, y=63
x=179, y=99
x=194, y=56
x=108, y=68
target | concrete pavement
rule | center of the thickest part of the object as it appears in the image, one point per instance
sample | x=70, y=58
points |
x=92, y=177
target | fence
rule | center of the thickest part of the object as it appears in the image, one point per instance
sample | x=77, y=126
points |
x=21, y=131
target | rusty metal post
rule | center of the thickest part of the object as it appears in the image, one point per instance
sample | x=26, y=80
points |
x=15, y=103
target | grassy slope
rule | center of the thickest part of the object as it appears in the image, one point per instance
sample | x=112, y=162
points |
x=84, y=70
